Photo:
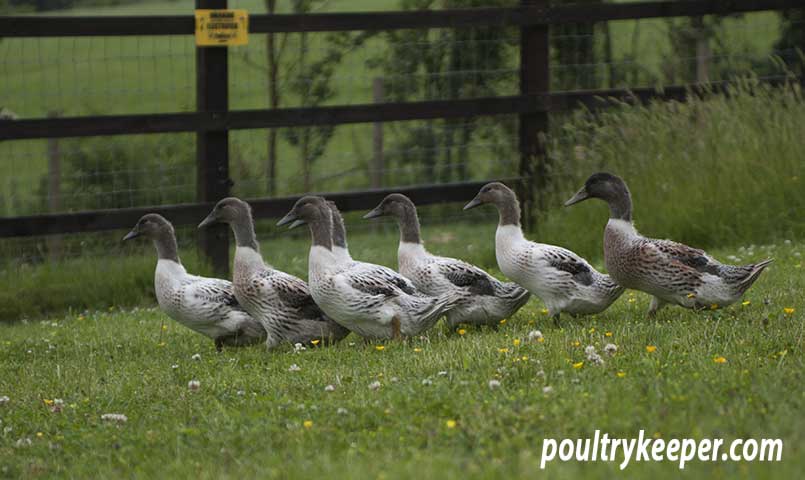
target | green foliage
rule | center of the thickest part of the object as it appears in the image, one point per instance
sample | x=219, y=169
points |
x=248, y=417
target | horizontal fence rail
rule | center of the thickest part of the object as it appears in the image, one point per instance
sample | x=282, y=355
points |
x=193, y=213
x=42, y=26
x=337, y=115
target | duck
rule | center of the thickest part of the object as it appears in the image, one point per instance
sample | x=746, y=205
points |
x=280, y=301
x=361, y=296
x=485, y=299
x=563, y=280
x=673, y=273
x=205, y=305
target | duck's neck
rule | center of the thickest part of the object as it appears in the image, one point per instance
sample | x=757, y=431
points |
x=620, y=205
x=408, y=221
x=509, y=210
x=165, y=244
x=244, y=233
x=339, y=232
x=321, y=232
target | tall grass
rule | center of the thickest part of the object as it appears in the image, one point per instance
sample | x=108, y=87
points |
x=722, y=171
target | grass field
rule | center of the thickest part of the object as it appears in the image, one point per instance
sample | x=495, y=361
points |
x=434, y=415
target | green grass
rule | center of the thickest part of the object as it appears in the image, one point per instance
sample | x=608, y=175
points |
x=120, y=361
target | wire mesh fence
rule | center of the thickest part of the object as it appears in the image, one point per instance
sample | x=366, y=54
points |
x=41, y=77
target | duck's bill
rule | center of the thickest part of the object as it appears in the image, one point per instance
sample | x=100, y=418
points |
x=580, y=196
x=130, y=235
x=374, y=213
x=207, y=221
x=297, y=223
x=290, y=217
x=473, y=203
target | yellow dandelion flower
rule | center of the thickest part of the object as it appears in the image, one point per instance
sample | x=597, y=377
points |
x=48, y=402
x=525, y=358
x=651, y=348
x=39, y=434
x=578, y=365
x=308, y=424
x=789, y=310
x=608, y=334
x=541, y=339
x=720, y=359
x=380, y=348
x=746, y=303
x=516, y=342
x=631, y=300
x=544, y=311
x=461, y=331
x=417, y=350
x=503, y=350
x=164, y=327
x=714, y=306
x=592, y=330
x=315, y=342
x=657, y=435
x=691, y=295
x=621, y=374
x=450, y=424
x=576, y=343
x=503, y=322
x=161, y=344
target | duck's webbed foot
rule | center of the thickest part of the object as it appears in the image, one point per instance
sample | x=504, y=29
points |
x=219, y=344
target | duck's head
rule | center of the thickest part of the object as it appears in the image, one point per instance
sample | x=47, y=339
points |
x=230, y=210
x=308, y=209
x=151, y=226
x=495, y=193
x=609, y=188
x=395, y=204
x=603, y=185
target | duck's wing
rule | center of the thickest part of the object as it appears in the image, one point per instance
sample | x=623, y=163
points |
x=464, y=275
x=683, y=254
x=371, y=279
x=213, y=293
x=292, y=294
x=564, y=260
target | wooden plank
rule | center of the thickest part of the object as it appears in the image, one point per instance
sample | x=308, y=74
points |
x=212, y=146
x=535, y=79
x=51, y=26
x=192, y=214
x=246, y=119
x=362, y=113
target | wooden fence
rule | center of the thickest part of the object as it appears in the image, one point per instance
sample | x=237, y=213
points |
x=213, y=119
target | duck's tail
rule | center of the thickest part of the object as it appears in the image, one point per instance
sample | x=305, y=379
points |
x=753, y=272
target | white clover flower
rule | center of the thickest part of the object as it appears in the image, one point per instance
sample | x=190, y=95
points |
x=589, y=350
x=443, y=373
x=374, y=385
x=174, y=366
x=534, y=336
x=114, y=418
x=298, y=347
x=493, y=384
x=541, y=374
x=342, y=411
x=595, y=359
x=294, y=368
x=4, y=400
x=547, y=389
x=427, y=381
x=241, y=393
x=196, y=356
x=193, y=385
x=610, y=349
x=329, y=388
x=23, y=442
x=394, y=379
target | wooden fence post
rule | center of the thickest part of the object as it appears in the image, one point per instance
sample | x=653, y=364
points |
x=377, y=171
x=534, y=79
x=212, y=147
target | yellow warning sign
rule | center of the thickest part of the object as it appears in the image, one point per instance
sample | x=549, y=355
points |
x=222, y=28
